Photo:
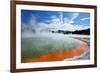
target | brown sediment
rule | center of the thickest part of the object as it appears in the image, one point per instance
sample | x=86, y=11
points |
x=59, y=56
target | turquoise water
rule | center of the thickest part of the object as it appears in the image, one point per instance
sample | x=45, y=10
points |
x=34, y=47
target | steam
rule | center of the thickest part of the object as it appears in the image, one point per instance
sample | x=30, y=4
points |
x=35, y=28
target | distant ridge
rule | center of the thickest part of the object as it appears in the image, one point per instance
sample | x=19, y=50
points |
x=84, y=32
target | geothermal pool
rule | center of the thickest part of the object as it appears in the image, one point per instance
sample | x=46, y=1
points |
x=50, y=47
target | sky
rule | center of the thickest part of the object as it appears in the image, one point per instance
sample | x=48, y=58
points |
x=55, y=20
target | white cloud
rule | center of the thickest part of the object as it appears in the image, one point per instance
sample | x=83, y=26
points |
x=67, y=20
x=74, y=15
x=56, y=24
x=85, y=18
x=55, y=20
x=32, y=20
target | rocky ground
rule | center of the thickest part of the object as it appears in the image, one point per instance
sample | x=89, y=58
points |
x=85, y=55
